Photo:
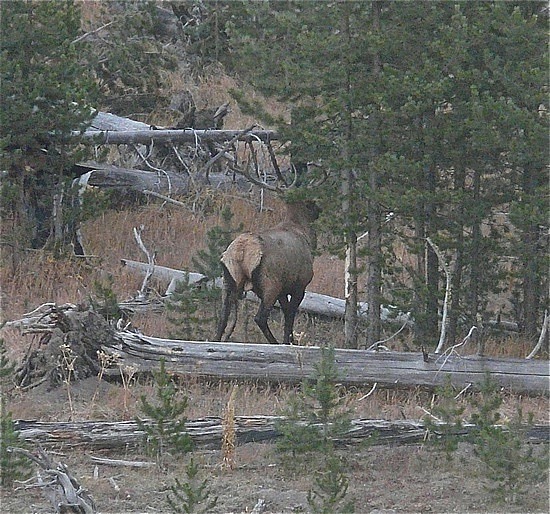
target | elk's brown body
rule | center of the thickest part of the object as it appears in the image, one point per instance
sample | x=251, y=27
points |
x=276, y=264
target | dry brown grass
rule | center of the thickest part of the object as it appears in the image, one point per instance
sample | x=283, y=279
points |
x=93, y=398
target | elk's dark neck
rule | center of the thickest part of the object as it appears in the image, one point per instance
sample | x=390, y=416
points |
x=299, y=219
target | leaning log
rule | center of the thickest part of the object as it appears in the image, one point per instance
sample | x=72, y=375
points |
x=284, y=363
x=105, y=175
x=313, y=303
x=108, y=128
x=106, y=121
x=208, y=432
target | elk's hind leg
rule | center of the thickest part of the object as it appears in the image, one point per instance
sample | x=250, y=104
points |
x=290, y=307
x=263, y=315
x=261, y=320
x=229, y=303
x=234, y=305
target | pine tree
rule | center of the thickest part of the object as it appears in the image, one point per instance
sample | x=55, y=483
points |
x=12, y=465
x=46, y=94
x=166, y=432
x=433, y=112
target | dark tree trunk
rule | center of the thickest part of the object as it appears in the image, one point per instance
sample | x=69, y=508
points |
x=432, y=263
x=456, y=284
x=531, y=280
x=374, y=241
x=374, y=273
x=349, y=204
x=476, y=266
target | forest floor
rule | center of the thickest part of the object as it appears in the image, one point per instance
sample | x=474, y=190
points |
x=382, y=478
x=410, y=478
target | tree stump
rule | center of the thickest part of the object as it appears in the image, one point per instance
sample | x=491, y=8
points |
x=68, y=348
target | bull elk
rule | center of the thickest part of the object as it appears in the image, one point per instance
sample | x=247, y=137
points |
x=276, y=264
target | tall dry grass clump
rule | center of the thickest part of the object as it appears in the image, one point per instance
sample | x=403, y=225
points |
x=229, y=436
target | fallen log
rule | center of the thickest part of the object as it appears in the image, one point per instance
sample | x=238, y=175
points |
x=208, y=432
x=164, y=273
x=106, y=121
x=151, y=136
x=284, y=363
x=108, y=128
x=313, y=303
x=86, y=332
x=104, y=175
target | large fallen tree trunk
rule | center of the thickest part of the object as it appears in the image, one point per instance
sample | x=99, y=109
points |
x=104, y=175
x=208, y=432
x=86, y=333
x=109, y=176
x=313, y=303
x=108, y=128
x=283, y=363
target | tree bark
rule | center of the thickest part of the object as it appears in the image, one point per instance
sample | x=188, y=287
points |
x=147, y=137
x=374, y=240
x=208, y=432
x=107, y=128
x=283, y=363
x=86, y=333
x=349, y=200
x=530, y=278
x=476, y=266
x=432, y=262
x=456, y=286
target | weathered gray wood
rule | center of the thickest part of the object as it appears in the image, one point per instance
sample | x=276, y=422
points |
x=124, y=463
x=294, y=363
x=316, y=303
x=87, y=332
x=207, y=432
x=169, y=274
x=104, y=175
x=110, y=176
x=104, y=121
x=146, y=137
x=59, y=486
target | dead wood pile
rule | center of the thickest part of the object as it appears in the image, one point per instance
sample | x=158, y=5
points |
x=60, y=487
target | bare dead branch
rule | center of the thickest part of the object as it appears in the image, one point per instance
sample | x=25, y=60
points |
x=542, y=337
x=164, y=197
x=448, y=280
x=150, y=258
x=60, y=487
x=125, y=463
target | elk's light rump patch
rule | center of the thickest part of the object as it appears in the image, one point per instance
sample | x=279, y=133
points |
x=242, y=257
